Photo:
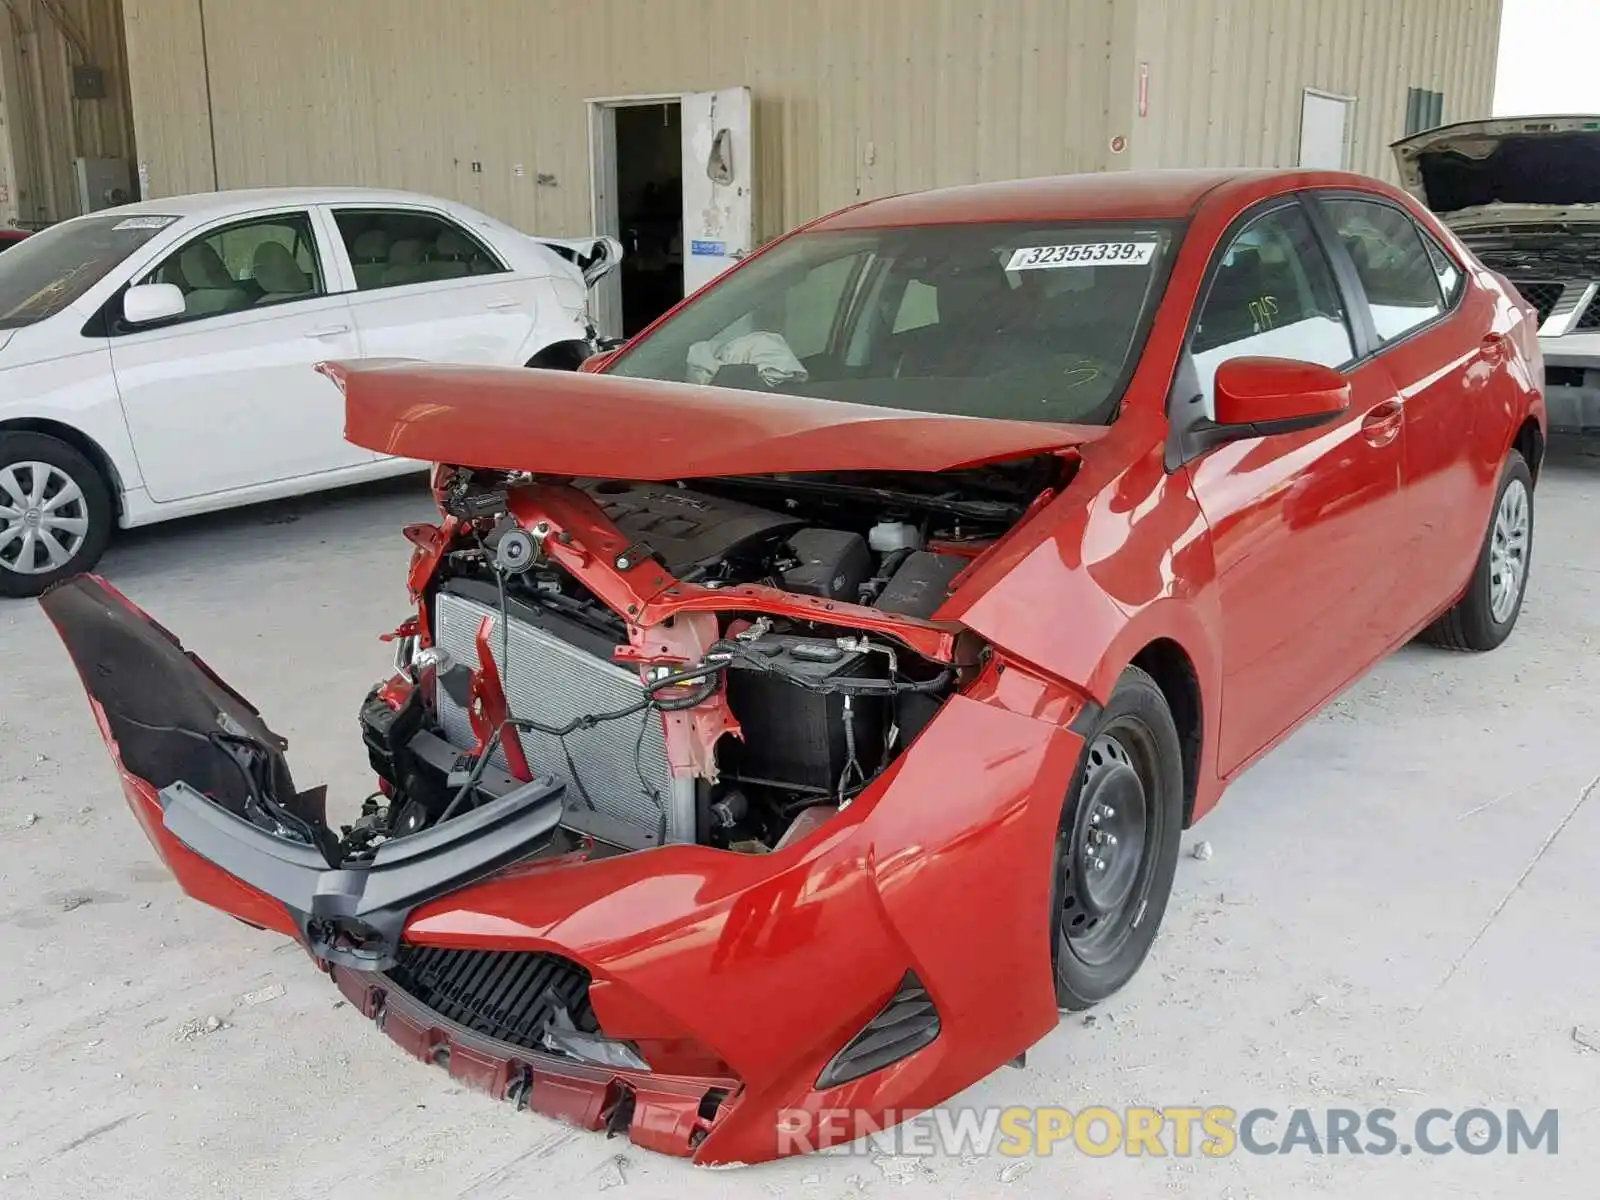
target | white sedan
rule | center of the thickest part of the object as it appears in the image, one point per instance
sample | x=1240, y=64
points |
x=159, y=359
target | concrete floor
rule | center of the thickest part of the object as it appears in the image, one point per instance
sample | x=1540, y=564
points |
x=1401, y=912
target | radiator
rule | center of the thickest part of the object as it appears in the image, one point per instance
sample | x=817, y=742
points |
x=550, y=681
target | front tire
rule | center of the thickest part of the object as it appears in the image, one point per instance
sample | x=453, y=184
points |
x=1116, y=845
x=1488, y=611
x=55, y=513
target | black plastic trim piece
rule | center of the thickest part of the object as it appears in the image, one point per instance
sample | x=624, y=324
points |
x=353, y=916
x=908, y=1023
x=1088, y=718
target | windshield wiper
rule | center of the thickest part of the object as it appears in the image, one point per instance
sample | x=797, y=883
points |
x=976, y=510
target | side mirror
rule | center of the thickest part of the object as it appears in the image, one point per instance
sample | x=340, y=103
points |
x=1278, y=395
x=151, y=302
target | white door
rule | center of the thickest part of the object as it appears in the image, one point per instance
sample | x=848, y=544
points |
x=718, y=179
x=1325, y=131
x=428, y=288
x=228, y=396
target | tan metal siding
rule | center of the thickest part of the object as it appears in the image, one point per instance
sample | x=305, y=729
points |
x=167, y=60
x=1227, y=75
x=854, y=98
x=46, y=127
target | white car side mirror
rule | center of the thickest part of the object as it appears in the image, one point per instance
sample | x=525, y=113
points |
x=150, y=302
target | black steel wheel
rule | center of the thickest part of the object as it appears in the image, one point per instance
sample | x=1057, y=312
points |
x=1117, y=845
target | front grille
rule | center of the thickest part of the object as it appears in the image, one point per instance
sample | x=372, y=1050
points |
x=512, y=995
x=1543, y=296
x=1591, y=316
x=907, y=1023
x=619, y=764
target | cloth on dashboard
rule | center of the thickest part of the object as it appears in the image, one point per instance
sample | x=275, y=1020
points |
x=767, y=352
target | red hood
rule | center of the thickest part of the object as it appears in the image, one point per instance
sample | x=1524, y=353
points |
x=565, y=423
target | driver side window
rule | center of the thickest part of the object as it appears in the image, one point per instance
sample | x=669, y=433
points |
x=1273, y=294
x=253, y=264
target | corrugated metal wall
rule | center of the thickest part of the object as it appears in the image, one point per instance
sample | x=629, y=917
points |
x=168, y=63
x=47, y=128
x=1226, y=76
x=854, y=97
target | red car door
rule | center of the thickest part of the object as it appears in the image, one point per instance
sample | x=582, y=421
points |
x=1307, y=526
x=1437, y=343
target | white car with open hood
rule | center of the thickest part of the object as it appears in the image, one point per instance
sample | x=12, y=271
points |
x=159, y=359
x=1524, y=194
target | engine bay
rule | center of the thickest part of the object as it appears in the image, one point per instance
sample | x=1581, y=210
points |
x=782, y=692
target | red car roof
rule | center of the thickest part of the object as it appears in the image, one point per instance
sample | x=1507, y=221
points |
x=1129, y=195
x=1110, y=196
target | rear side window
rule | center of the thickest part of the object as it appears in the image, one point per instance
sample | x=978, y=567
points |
x=1451, y=280
x=1273, y=294
x=1396, y=271
x=395, y=247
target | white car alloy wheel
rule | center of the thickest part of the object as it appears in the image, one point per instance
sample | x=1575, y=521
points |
x=1508, y=550
x=44, y=518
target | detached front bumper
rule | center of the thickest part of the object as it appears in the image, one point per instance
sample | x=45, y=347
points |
x=919, y=913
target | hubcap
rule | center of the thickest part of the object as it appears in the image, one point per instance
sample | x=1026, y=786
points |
x=1508, y=550
x=44, y=518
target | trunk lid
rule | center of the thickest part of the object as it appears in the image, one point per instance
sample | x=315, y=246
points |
x=1508, y=169
x=566, y=423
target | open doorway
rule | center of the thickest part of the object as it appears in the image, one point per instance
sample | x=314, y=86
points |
x=639, y=201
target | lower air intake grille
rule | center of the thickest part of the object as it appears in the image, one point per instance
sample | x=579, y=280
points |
x=511, y=995
x=1543, y=296
x=907, y=1023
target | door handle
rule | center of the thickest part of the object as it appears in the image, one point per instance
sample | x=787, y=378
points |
x=1382, y=423
x=328, y=331
x=499, y=304
x=1493, y=347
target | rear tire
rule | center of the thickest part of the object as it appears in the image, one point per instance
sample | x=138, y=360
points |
x=561, y=356
x=1488, y=610
x=55, y=513
x=1116, y=845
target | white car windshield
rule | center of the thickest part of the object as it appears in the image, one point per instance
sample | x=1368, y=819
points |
x=43, y=274
x=1031, y=322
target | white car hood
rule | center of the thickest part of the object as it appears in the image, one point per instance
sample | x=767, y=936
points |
x=1510, y=170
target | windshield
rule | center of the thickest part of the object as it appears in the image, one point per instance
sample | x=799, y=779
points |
x=41, y=275
x=1031, y=322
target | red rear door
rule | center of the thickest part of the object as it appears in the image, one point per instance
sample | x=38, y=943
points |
x=1443, y=345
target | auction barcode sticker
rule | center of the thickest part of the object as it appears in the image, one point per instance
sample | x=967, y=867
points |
x=1083, y=254
x=143, y=223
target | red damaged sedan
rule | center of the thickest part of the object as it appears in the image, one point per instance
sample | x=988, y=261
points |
x=801, y=706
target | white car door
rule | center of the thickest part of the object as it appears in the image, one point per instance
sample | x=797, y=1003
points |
x=227, y=396
x=427, y=287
